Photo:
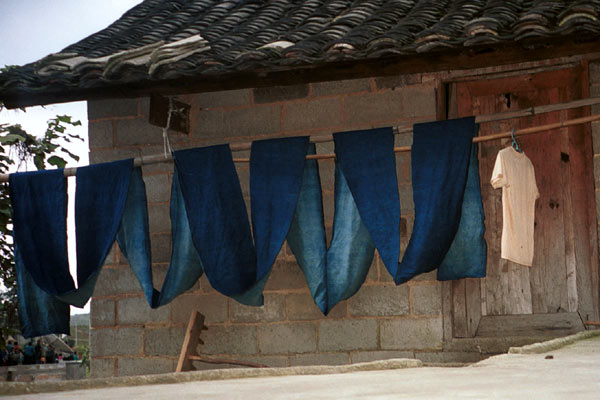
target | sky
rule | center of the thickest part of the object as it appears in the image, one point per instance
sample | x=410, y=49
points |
x=32, y=29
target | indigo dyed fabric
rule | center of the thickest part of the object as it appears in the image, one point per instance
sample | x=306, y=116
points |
x=369, y=166
x=218, y=217
x=467, y=255
x=351, y=251
x=276, y=170
x=100, y=197
x=440, y=159
x=40, y=313
x=306, y=237
x=336, y=274
x=45, y=284
x=133, y=236
x=39, y=201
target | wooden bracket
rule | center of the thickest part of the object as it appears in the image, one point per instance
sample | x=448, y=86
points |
x=159, y=113
x=191, y=342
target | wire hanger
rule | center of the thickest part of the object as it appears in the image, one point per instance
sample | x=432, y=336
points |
x=515, y=142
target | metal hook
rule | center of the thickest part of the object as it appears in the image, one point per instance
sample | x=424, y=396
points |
x=515, y=142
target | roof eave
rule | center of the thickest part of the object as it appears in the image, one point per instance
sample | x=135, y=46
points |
x=454, y=59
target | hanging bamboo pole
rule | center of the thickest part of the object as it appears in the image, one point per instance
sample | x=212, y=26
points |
x=159, y=158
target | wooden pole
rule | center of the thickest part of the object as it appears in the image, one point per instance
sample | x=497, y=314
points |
x=158, y=158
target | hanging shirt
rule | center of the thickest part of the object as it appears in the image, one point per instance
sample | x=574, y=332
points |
x=513, y=172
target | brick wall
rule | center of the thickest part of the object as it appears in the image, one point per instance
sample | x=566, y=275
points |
x=381, y=321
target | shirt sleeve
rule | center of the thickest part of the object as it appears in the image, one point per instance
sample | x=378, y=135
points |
x=498, y=176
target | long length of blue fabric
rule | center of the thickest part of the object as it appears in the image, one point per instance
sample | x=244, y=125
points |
x=210, y=227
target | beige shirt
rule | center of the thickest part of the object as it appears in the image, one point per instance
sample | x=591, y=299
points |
x=513, y=172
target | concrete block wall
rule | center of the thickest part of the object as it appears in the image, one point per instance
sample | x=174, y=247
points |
x=381, y=321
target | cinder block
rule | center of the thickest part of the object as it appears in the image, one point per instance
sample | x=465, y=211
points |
x=160, y=248
x=448, y=357
x=158, y=188
x=373, y=108
x=158, y=218
x=393, y=82
x=207, y=123
x=100, y=134
x=137, y=131
x=301, y=307
x=379, y=301
x=243, y=173
x=128, y=366
x=111, y=341
x=287, y=338
x=228, y=98
x=102, y=367
x=285, y=275
x=234, y=339
x=368, y=356
x=312, y=115
x=340, y=87
x=347, y=335
x=253, y=121
x=373, y=274
x=426, y=299
x=280, y=93
x=213, y=307
x=272, y=310
x=270, y=361
x=403, y=168
x=112, y=108
x=101, y=156
x=412, y=334
x=594, y=72
x=114, y=281
x=320, y=359
x=135, y=310
x=407, y=203
x=427, y=276
x=164, y=341
x=419, y=101
x=102, y=312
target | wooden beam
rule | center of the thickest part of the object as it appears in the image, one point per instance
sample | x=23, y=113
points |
x=463, y=58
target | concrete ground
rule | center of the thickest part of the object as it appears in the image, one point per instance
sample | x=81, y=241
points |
x=542, y=372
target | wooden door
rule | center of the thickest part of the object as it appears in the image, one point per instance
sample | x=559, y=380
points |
x=561, y=288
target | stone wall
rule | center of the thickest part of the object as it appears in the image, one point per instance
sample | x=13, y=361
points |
x=381, y=321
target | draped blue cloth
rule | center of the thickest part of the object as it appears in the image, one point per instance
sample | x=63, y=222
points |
x=39, y=202
x=276, y=171
x=467, y=255
x=440, y=157
x=209, y=221
x=369, y=165
x=365, y=164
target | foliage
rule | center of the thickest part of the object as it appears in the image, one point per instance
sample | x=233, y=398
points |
x=19, y=149
x=84, y=356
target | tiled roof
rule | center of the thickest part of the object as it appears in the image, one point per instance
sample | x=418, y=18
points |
x=166, y=39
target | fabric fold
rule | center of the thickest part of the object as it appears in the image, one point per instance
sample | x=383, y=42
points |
x=368, y=163
x=467, y=255
x=276, y=171
x=218, y=217
x=45, y=286
x=440, y=157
